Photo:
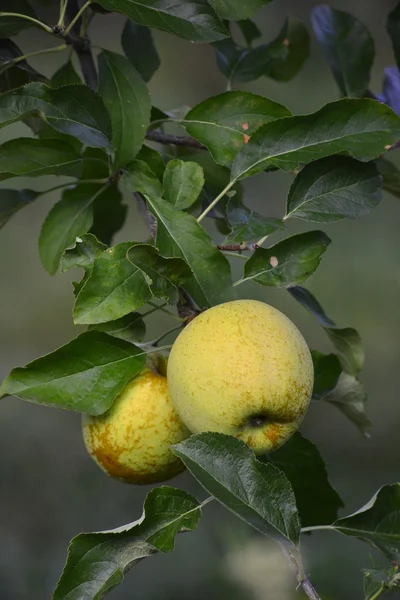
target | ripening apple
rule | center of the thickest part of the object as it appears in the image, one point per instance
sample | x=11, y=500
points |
x=131, y=441
x=244, y=369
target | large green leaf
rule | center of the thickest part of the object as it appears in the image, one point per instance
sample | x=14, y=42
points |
x=138, y=45
x=130, y=327
x=224, y=123
x=10, y=26
x=334, y=188
x=346, y=340
x=378, y=522
x=84, y=375
x=348, y=47
x=258, y=493
x=303, y=465
x=327, y=370
x=393, y=29
x=247, y=225
x=361, y=128
x=128, y=101
x=114, y=288
x=195, y=21
x=179, y=235
x=235, y=10
x=182, y=183
x=350, y=398
x=280, y=59
x=97, y=562
x=69, y=218
x=36, y=157
x=72, y=109
x=288, y=262
x=164, y=275
x=11, y=201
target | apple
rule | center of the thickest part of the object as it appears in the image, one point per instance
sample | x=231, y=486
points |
x=131, y=441
x=244, y=369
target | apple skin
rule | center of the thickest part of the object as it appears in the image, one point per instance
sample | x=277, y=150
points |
x=131, y=441
x=244, y=369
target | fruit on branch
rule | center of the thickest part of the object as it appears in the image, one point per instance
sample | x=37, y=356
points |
x=244, y=369
x=131, y=441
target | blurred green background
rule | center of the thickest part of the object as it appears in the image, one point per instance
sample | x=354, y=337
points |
x=50, y=490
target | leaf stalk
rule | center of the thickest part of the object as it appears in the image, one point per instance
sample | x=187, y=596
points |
x=27, y=18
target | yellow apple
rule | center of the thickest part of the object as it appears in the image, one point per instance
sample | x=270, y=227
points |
x=244, y=369
x=131, y=441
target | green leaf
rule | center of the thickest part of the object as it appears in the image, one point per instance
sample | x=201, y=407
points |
x=346, y=340
x=378, y=580
x=377, y=523
x=391, y=176
x=216, y=179
x=258, y=493
x=393, y=29
x=83, y=253
x=234, y=10
x=309, y=302
x=11, y=201
x=128, y=101
x=130, y=328
x=334, y=188
x=224, y=123
x=9, y=51
x=14, y=74
x=139, y=177
x=97, y=562
x=182, y=183
x=361, y=128
x=115, y=287
x=348, y=343
x=249, y=31
x=197, y=22
x=303, y=465
x=72, y=109
x=179, y=235
x=69, y=218
x=85, y=375
x=163, y=275
x=247, y=225
x=109, y=214
x=138, y=46
x=350, y=398
x=11, y=26
x=280, y=59
x=65, y=75
x=372, y=587
x=327, y=370
x=153, y=159
x=348, y=47
x=288, y=262
x=95, y=164
x=33, y=158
